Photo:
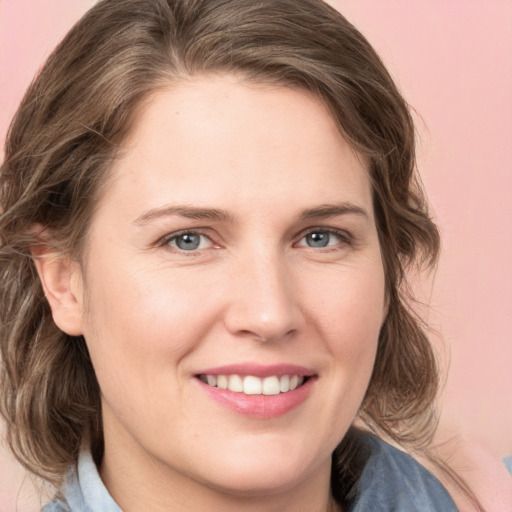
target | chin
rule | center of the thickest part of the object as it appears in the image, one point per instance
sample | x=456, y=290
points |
x=262, y=472
x=257, y=481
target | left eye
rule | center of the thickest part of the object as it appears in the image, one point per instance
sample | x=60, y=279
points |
x=189, y=241
x=320, y=239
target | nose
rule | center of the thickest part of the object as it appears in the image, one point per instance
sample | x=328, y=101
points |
x=263, y=303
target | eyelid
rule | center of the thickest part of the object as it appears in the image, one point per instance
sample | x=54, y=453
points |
x=164, y=241
x=343, y=234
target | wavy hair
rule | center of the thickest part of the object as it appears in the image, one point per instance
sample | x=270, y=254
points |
x=66, y=134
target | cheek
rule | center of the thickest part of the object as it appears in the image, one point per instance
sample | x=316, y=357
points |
x=349, y=317
x=140, y=321
x=353, y=302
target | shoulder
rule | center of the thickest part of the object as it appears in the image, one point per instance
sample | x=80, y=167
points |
x=56, y=506
x=82, y=490
x=393, y=481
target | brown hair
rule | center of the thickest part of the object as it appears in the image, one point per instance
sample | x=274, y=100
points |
x=64, y=138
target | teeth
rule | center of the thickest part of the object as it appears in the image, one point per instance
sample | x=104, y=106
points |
x=235, y=383
x=222, y=382
x=284, y=384
x=250, y=385
x=271, y=386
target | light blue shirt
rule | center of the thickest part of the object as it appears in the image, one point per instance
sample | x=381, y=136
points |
x=391, y=481
x=508, y=463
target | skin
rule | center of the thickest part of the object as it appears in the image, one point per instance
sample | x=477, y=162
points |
x=254, y=291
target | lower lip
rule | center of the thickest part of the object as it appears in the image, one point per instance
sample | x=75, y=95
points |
x=260, y=406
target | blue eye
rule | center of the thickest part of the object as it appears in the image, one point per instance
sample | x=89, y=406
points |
x=318, y=239
x=321, y=239
x=188, y=241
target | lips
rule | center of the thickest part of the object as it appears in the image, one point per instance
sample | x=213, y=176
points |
x=258, y=391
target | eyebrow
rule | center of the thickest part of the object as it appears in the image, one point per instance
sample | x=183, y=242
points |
x=333, y=210
x=190, y=212
x=215, y=214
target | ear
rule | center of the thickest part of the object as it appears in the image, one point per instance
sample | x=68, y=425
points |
x=62, y=282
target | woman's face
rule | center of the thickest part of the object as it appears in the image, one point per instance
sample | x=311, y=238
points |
x=235, y=247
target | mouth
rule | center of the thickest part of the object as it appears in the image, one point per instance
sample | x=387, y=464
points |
x=252, y=385
x=258, y=391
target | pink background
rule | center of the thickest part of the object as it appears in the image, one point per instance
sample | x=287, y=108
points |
x=452, y=60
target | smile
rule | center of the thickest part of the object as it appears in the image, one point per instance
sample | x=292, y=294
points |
x=258, y=391
x=252, y=385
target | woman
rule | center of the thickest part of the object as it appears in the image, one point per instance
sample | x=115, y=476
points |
x=208, y=211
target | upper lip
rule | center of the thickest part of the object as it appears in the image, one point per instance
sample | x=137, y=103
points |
x=259, y=370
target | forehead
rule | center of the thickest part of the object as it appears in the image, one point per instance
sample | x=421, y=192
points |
x=214, y=138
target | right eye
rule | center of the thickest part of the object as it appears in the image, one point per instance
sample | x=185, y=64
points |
x=188, y=241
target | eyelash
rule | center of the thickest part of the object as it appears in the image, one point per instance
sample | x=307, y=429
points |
x=166, y=240
x=344, y=236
